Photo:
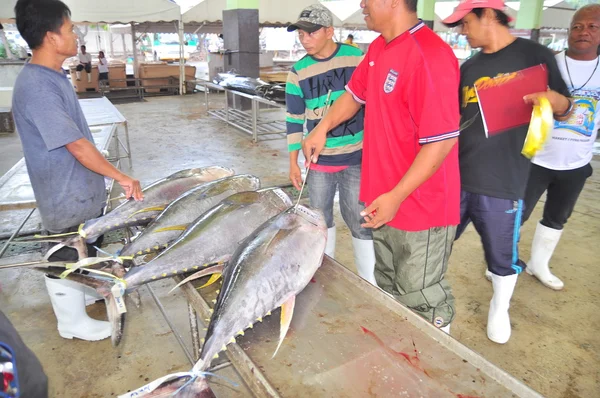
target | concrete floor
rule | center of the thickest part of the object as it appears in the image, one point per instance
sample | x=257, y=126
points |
x=554, y=348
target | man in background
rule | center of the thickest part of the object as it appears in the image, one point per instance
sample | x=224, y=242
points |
x=85, y=62
x=350, y=40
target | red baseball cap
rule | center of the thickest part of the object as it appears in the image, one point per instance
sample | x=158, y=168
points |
x=466, y=6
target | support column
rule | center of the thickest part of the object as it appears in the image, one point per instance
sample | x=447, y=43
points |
x=426, y=11
x=134, y=45
x=124, y=44
x=240, y=36
x=110, y=41
x=530, y=16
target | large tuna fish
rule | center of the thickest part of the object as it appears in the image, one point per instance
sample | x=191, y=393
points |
x=267, y=271
x=211, y=239
x=272, y=266
x=132, y=213
x=177, y=216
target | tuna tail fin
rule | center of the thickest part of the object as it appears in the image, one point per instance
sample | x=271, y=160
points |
x=105, y=289
x=215, y=271
x=287, y=311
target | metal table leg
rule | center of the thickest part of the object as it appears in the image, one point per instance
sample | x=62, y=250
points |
x=226, y=106
x=255, y=107
x=206, y=98
x=5, y=247
x=195, y=333
x=127, y=142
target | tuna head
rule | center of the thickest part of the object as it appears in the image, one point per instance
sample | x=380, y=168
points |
x=267, y=271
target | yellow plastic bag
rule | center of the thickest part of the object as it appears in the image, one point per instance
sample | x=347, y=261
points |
x=540, y=128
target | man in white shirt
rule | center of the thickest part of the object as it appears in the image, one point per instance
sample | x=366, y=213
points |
x=85, y=62
x=563, y=165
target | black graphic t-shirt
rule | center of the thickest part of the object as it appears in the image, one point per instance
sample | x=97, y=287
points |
x=494, y=166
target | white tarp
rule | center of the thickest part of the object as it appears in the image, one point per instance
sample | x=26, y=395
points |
x=110, y=11
x=270, y=12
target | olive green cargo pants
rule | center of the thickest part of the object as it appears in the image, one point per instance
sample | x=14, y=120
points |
x=411, y=266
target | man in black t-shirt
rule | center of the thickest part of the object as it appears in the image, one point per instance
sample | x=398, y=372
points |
x=493, y=171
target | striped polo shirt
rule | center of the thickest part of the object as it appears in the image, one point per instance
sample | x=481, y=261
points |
x=306, y=91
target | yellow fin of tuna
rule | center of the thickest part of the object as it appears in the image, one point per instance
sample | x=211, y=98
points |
x=172, y=228
x=232, y=340
x=147, y=209
x=287, y=311
x=215, y=270
x=240, y=333
x=214, y=277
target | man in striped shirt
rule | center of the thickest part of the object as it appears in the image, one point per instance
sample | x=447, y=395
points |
x=321, y=75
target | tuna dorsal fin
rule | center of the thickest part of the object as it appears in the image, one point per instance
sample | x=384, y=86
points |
x=147, y=209
x=172, y=228
x=287, y=310
x=215, y=269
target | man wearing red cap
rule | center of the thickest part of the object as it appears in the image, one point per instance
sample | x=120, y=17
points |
x=493, y=171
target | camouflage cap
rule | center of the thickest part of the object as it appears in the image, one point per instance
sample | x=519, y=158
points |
x=313, y=18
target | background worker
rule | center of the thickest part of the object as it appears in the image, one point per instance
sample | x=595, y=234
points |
x=102, y=66
x=350, y=40
x=85, y=62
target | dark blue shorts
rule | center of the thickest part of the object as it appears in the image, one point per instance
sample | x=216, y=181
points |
x=498, y=222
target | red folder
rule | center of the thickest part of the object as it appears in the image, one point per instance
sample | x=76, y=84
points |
x=501, y=98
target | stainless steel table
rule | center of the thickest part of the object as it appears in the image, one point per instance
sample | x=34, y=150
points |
x=253, y=121
x=102, y=112
x=351, y=339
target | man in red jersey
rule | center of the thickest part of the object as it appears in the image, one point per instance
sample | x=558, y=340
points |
x=410, y=180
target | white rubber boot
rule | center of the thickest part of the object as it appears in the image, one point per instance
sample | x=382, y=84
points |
x=364, y=258
x=89, y=77
x=542, y=248
x=78, y=74
x=498, y=326
x=68, y=304
x=91, y=296
x=330, y=247
x=488, y=275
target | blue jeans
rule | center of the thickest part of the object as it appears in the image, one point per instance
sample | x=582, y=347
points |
x=321, y=191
